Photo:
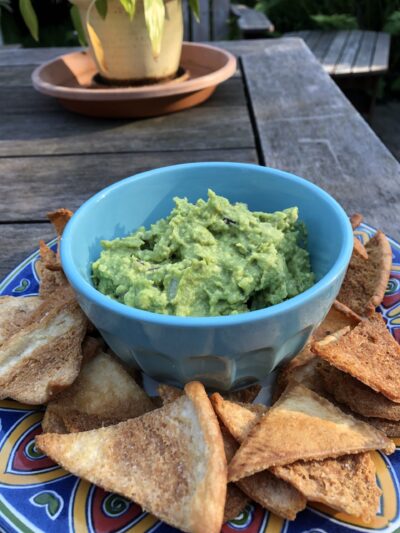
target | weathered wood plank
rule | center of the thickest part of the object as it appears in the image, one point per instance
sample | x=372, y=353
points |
x=186, y=21
x=362, y=63
x=335, y=50
x=31, y=186
x=380, y=59
x=311, y=129
x=312, y=38
x=32, y=124
x=18, y=241
x=251, y=21
x=201, y=30
x=349, y=54
x=220, y=19
x=321, y=48
x=31, y=56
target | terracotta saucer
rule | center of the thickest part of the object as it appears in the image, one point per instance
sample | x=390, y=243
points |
x=71, y=78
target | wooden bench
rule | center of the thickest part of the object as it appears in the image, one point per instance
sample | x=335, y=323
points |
x=215, y=17
x=354, y=58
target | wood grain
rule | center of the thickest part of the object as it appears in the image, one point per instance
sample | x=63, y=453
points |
x=307, y=126
x=32, y=186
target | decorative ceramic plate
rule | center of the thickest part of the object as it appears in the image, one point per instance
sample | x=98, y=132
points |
x=38, y=496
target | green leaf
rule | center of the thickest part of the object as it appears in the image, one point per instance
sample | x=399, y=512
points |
x=77, y=23
x=194, y=6
x=129, y=6
x=30, y=18
x=101, y=6
x=154, y=14
x=392, y=24
x=341, y=21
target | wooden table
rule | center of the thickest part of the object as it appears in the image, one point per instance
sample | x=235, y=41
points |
x=280, y=109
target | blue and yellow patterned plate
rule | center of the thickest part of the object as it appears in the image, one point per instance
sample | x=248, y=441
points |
x=38, y=496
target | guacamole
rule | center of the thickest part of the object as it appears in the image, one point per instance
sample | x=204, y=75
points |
x=210, y=258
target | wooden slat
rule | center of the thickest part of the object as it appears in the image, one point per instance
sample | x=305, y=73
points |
x=305, y=125
x=32, y=124
x=31, y=56
x=346, y=60
x=220, y=19
x=380, y=60
x=321, y=48
x=362, y=63
x=31, y=186
x=335, y=50
x=18, y=241
x=201, y=31
x=312, y=38
x=301, y=34
x=251, y=21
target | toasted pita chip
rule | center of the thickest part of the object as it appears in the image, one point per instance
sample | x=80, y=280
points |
x=49, y=258
x=51, y=281
x=237, y=418
x=53, y=423
x=357, y=396
x=59, y=219
x=338, y=317
x=169, y=393
x=303, y=368
x=236, y=500
x=347, y=484
x=355, y=220
x=103, y=394
x=43, y=358
x=303, y=425
x=91, y=346
x=171, y=461
x=15, y=313
x=359, y=249
x=369, y=353
x=390, y=427
x=365, y=282
x=247, y=395
x=264, y=488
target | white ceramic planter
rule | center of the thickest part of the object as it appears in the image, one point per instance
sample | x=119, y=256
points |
x=121, y=48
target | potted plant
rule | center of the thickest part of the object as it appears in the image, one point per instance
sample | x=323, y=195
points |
x=132, y=41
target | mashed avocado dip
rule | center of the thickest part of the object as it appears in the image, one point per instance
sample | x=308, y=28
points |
x=207, y=259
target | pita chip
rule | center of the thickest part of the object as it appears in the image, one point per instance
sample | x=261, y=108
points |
x=171, y=461
x=264, y=488
x=365, y=282
x=355, y=220
x=347, y=484
x=369, y=353
x=357, y=396
x=168, y=393
x=102, y=395
x=15, y=313
x=359, y=249
x=44, y=357
x=247, y=395
x=303, y=425
x=236, y=500
x=390, y=427
x=338, y=317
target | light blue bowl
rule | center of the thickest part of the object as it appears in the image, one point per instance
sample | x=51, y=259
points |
x=223, y=352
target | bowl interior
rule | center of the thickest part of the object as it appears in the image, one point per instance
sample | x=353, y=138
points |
x=145, y=198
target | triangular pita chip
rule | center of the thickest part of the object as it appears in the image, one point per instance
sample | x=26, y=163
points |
x=171, y=461
x=303, y=367
x=366, y=280
x=59, y=218
x=390, y=427
x=102, y=395
x=236, y=500
x=43, y=358
x=338, y=317
x=369, y=353
x=264, y=488
x=347, y=484
x=51, y=260
x=359, y=249
x=355, y=220
x=15, y=313
x=357, y=396
x=303, y=425
x=247, y=395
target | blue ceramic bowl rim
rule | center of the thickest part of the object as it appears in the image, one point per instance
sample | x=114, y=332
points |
x=96, y=297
